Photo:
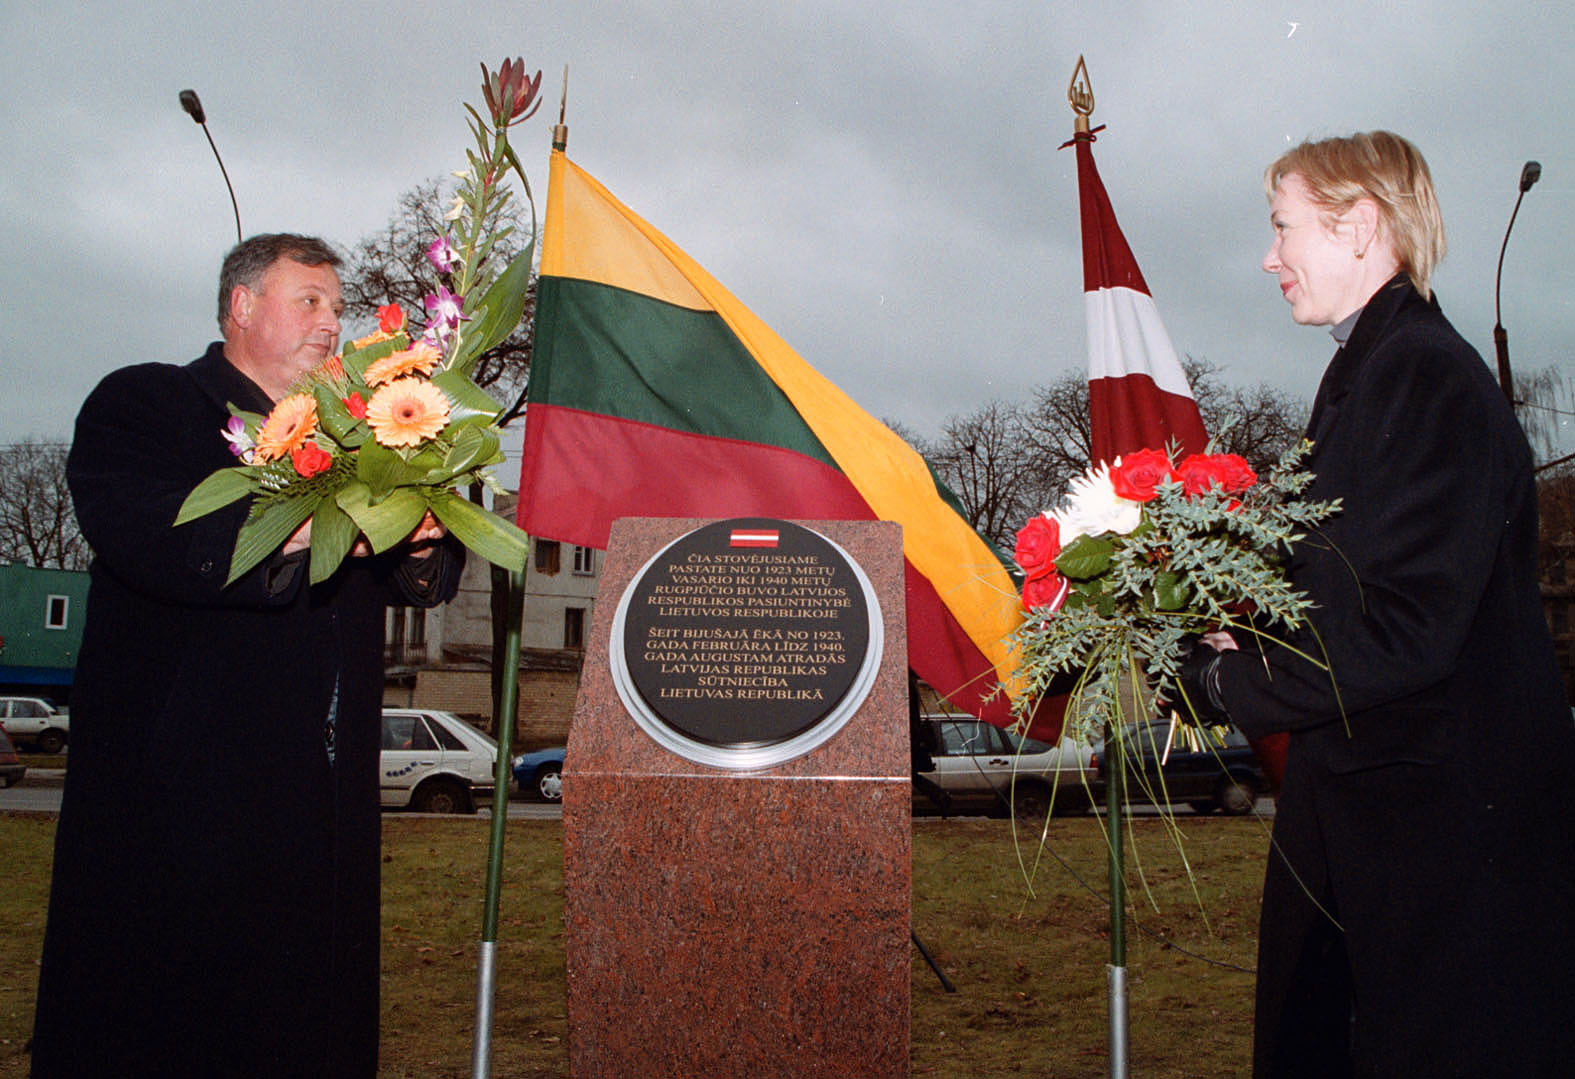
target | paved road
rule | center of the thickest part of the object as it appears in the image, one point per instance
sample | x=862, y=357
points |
x=40, y=790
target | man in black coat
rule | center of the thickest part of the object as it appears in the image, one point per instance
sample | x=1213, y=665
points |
x=215, y=904
x=1419, y=903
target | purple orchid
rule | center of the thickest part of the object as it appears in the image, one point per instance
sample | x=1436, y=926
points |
x=445, y=309
x=436, y=334
x=442, y=254
x=241, y=443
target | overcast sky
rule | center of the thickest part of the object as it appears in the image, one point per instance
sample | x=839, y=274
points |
x=879, y=181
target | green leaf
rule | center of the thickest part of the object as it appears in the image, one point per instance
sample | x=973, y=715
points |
x=1170, y=591
x=333, y=534
x=504, y=303
x=489, y=535
x=267, y=529
x=1085, y=557
x=466, y=399
x=475, y=446
x=383, y=471
x=336, y=419
x=217, y=491
x=388, y=520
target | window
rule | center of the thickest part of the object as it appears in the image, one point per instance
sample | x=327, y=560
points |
x=55, y=615
x=547, y=556
x=446, y=738
x=406, y=732
x=574, y=628
x=585, y=561
x=963, y=737
x=416, y=621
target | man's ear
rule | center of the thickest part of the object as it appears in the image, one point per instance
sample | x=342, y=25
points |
x=241, y=301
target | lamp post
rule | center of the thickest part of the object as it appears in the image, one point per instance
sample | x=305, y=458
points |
x=1529, y=174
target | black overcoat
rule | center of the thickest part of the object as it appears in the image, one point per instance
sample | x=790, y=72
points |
x=1424, y=852
x=215, y=904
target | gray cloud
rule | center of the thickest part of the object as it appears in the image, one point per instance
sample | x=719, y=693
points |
x=879, y=182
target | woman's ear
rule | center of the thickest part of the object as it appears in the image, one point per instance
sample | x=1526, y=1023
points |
x=1363, y=222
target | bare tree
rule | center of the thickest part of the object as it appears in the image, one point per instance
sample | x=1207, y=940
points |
x=391, y=266
x=1544, y=401
x=985, y=458
x=1008, y=462
x=37, y=524
x=1060, y=433
x=1257, y=422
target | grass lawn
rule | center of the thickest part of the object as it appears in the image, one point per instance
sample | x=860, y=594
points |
x=1029, y=968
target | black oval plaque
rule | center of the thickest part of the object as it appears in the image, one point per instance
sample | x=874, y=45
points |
x=744, y=635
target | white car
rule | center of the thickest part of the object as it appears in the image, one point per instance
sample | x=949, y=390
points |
x=981, y=767
x=434, y=762
x=34, y=721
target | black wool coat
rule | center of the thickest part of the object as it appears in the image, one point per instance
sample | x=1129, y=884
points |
x=215, y=904
x=1419, y=901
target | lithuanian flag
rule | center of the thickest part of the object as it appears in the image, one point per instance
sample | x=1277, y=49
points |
x=655, y=393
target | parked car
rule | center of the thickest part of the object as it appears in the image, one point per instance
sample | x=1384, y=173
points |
x=11, y=769
x=1228, y=778
x=981, y=767
x=540, y=774
x=434, y=762
x=33, y=721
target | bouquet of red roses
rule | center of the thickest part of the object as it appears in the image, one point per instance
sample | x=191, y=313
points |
x=1145, y=554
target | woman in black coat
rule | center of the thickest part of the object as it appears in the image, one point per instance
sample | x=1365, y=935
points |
x=1419, y=902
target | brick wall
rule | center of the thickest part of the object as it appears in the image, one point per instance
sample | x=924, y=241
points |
x=546, y=701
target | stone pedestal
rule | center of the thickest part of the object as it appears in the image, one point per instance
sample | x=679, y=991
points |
x=724, y=923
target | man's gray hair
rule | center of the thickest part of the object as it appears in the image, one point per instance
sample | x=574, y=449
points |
x=249, y=260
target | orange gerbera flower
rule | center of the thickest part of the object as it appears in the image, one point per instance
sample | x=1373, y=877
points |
x=420, y=357
x=372, y=338
x=287, y=427
x=407, y=412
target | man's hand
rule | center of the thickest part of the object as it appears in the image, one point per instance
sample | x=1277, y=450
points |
x=428, y=532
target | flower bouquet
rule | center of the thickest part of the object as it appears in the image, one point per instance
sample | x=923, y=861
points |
x=1142, y=557
x=373, y=440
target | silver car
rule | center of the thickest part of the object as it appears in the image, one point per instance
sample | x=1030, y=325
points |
x=982, y=768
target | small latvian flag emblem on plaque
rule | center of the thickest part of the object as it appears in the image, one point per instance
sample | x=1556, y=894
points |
x=753, y=537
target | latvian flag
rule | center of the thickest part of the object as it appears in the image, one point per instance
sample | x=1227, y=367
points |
x=655, y=393
x=1138, y=395
x=754, y=537
x=1137, y=392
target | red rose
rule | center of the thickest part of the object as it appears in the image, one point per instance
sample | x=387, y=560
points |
x=1136, y=475
x=1228, y=472
x=390, y=318
x=1045, y=592
x=309, y=460
x=1037, y=546
x=355, y=404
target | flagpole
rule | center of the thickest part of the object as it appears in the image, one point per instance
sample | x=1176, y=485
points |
x=1080, y=95
x=508, y=708
x=508, y=704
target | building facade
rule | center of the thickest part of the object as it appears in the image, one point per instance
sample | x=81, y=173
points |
x=442, y=658
x=41, y=613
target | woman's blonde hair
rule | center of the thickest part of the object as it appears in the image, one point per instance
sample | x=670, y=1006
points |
x=1381, y=166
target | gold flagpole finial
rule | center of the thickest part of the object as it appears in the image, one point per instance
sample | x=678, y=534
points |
x=560, y=131
x=1080, y=95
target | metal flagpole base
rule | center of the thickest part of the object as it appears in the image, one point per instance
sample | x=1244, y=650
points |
x=486, y=977
x=1116, y=983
